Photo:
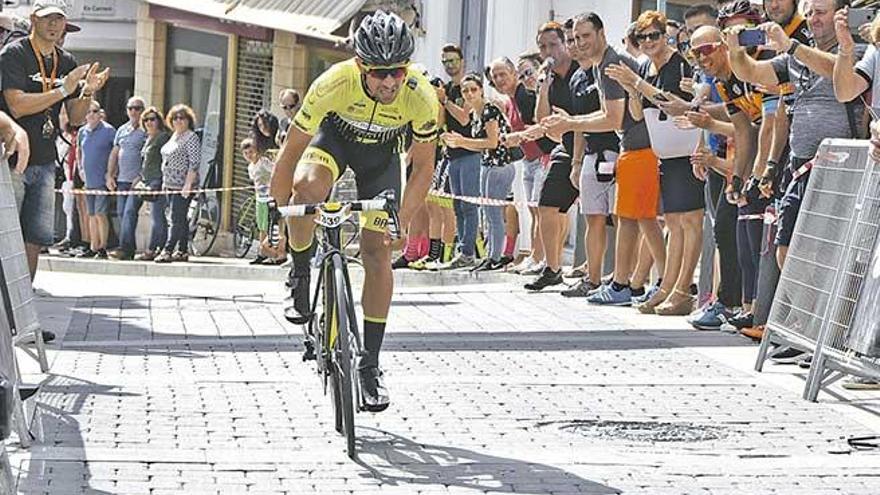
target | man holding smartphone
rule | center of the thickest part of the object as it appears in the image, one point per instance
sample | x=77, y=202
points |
x=852, y=79
x=815, y=113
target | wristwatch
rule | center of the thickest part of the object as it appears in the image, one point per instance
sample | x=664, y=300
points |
x=793, y=48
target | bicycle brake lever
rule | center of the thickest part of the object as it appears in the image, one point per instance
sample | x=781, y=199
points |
x=391, y=210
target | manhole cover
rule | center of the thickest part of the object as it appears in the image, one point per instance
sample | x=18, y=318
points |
x=640, y=431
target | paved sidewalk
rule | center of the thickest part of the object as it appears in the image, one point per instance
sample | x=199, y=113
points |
x=192, y=386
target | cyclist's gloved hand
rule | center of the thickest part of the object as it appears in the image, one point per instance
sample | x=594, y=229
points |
x=751, y=192
x=768, y=179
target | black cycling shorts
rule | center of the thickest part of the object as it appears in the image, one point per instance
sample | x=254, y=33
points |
x=376, y=167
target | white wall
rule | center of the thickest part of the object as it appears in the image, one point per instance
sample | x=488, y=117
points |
x=511, y=25
x=442, y=23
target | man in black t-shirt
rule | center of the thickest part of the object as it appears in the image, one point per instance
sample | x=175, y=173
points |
x=36, y=77
x=557, y=193
x=464, y=165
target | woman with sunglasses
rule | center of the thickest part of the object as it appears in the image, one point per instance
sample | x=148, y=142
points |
x=682, y=194
x=488, y=124
x=158, y=134
x=181, y=158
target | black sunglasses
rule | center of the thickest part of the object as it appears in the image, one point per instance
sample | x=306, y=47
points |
x=382, y=73
x=151, y=119
x=653, y=36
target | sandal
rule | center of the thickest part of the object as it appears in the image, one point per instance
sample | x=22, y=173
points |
x=683, y=307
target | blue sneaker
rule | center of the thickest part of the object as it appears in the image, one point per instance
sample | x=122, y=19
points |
x=607, y=296
x=636, y=300
x=713, y=317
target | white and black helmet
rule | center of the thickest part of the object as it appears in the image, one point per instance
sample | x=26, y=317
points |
x=383, y=39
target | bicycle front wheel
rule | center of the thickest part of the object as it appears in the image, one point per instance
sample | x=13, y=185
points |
x=204, y=223
x=345, y=354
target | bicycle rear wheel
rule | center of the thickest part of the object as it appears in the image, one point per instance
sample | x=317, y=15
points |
x=204, y=223
x=243, y=240
x=345, y=355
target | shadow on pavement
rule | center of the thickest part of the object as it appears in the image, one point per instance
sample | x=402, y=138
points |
x=61, y=402
x=401, y=461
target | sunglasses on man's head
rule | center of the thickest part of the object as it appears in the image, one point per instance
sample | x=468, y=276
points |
x=653, y=36
x=382, y=73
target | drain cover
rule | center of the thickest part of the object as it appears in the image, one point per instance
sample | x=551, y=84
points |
x=640, y=431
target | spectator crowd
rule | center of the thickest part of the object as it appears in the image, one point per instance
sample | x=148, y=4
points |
x=711, y=121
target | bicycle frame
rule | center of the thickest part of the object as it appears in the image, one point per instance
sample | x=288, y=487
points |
x=331, y=257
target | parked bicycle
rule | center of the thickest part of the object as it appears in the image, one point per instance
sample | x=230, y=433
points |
x=333, y=339
x=245, y=230
x=204, y=216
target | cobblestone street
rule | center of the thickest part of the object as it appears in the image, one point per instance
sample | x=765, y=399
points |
x=195, y=386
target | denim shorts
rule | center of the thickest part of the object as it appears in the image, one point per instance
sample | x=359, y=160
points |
x=35, y=198
x=533, y=179
x=95, y=204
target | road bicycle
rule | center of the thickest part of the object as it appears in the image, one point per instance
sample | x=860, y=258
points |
x=333, y=338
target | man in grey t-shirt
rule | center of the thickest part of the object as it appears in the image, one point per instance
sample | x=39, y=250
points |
x=123, y=171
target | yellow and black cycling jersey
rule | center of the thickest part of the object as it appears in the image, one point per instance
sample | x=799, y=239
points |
x=339, y=97
x=740, y=96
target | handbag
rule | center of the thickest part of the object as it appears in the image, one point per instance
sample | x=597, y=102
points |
x=667, y=140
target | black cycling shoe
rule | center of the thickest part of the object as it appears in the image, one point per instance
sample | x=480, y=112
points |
x=296, y=306
x=373, y=391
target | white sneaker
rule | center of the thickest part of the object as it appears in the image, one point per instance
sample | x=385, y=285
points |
x=525, y=264
x=535, y=269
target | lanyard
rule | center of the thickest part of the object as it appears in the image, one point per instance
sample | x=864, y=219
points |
x=47, y=84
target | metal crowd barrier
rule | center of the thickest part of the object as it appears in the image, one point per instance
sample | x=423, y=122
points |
x=18, y=322
x=827, y=260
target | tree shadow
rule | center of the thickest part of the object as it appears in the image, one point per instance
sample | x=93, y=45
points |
x=400, y=461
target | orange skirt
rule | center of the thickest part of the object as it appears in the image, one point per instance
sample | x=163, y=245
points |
x=638, y=185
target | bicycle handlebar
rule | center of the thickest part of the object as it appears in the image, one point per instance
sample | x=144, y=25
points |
x=386, y=201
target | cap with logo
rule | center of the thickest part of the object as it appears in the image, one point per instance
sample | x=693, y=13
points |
x=42, y=8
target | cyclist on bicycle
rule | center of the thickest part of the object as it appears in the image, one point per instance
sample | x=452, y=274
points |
x=356, y=115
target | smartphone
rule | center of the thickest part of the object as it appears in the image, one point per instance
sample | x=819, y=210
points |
x=752, y=37
x=859, y=17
